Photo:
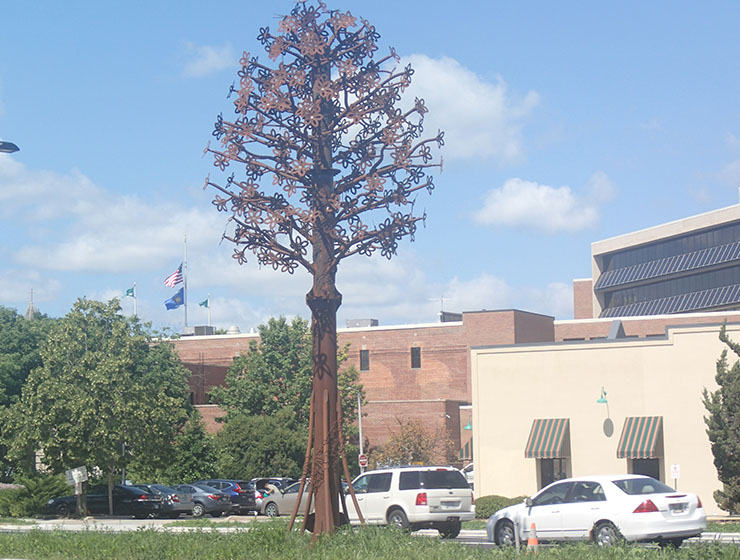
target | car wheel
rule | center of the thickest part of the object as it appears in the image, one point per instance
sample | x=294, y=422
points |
x=397, y=518
x=670, y=543
x=504, y=534
x=198, y=510
x=450, y=530
x=271, y=510
x=606, y=534
x=63, y=510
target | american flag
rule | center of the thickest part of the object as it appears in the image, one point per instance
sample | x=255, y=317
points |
x=175, y=278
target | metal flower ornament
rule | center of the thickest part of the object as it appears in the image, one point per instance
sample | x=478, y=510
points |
x=329, y=164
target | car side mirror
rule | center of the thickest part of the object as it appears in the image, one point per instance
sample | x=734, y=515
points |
x=528, y=502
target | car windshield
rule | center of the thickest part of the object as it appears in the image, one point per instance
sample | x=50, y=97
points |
x=647, y=485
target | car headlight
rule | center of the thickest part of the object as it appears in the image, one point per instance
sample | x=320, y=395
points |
x=50, y=502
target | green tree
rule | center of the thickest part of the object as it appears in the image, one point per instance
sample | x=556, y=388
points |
x=194, y=456
x=723, y=426
x=103, y=384
x=275, y=373
x=414, y=443
x=20, y=340
x=253, y=446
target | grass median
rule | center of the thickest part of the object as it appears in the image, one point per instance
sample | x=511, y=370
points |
x=270, y=540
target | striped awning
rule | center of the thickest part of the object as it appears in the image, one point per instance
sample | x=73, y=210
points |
x=546, y=438
x=640, y=437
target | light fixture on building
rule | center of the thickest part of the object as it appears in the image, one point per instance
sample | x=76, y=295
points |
x=608, y=424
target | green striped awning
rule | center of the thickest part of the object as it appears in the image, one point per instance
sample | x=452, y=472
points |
x=640, y=437
x=546, y=438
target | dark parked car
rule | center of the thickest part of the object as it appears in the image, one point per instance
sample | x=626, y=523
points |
x=174, y=503
x=127, y=500
x=206, y=499
x=242, y=497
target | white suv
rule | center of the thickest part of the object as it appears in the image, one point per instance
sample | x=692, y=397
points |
x=414, y=498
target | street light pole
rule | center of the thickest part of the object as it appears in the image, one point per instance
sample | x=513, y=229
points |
x=359, y=425
x=8, y=147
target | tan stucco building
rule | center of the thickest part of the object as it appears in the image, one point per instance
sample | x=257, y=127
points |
x=653, y=382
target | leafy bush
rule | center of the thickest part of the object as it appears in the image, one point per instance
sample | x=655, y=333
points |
x=8, y=496
x=485, y=506
x=30, y=498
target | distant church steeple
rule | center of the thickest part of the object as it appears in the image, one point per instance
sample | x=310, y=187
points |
x=31, y=311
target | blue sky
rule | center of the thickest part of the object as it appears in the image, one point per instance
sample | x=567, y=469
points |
x=565, y=124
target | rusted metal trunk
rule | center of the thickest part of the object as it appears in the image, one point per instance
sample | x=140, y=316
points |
x=324, y=300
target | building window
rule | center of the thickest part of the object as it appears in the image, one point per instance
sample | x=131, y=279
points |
x=364, y=360
x=648, y=467
x=551, y=470
x=415, y=357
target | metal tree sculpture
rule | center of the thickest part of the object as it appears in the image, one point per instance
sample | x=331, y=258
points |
x=331, y=168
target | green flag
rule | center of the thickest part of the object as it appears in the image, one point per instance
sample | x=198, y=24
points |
x=204, y=303
x=130, y=293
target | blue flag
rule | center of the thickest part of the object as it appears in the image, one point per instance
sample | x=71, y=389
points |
x=175, y=301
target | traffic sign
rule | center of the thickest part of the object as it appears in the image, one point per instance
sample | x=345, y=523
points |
x=362, y=460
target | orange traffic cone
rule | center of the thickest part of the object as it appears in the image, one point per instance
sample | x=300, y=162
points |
x=533, y=544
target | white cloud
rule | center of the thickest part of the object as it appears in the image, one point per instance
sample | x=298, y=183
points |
x=207, y=59
x=730, y=174
x=732, y=141
x=490, y=292
x=522, y=203
x=16, y=285
x=480, y=119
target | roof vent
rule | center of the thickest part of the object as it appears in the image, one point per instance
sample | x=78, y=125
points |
x=616, y=330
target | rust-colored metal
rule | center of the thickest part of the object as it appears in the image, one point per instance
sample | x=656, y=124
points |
x=346, y=470
x=331, y=159
x=304, y=473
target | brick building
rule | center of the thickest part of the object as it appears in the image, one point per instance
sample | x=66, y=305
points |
x=408, y=371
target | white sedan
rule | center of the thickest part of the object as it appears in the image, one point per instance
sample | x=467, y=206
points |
x=605, y=509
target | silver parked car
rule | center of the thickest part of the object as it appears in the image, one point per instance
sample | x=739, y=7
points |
x=283, y=502
x=206, y=499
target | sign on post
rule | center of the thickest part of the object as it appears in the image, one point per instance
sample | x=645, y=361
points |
x=362, y=460
x=675, y=474
x=76, y=476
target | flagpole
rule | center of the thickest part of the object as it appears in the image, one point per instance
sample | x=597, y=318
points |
x=135, y=314
x=185, y=281
x=209, y=309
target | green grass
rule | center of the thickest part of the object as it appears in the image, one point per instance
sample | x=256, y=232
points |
x=15, y=521
x=723, y=526
x=269, y=540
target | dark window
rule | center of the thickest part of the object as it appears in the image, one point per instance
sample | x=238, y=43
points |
x=443, y=478
x=364, y=360
x=555, y=494
x=552, y=470
x=415, y=357
x=585, y=491
x=647, y=485
x=409, y=481
x=379, y=482
x=431, y=479
x=648, y=467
